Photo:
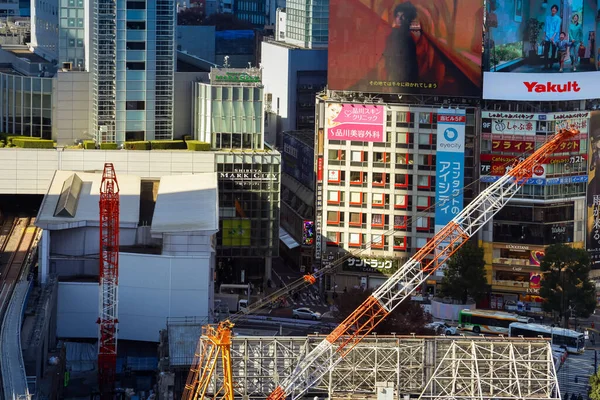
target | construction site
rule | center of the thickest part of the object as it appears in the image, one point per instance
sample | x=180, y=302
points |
x=126, y=262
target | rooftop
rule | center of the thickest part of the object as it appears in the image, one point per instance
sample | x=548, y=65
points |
x=26, y=54
x=186, y=203
x=81, y=209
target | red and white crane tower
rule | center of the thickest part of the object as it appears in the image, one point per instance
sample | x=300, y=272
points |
x=109, y=281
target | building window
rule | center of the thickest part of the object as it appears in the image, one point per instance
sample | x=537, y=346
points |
x=423, y=224
x=136, y=25
x=400, y=221
x=399, y=243
x=333, y=238
x=377, y=220
x=401, y=201
x=381, y=157
x=136, y=45
x=357, y=178
x=356, y=198
x=403, y=160
x=355, y=239
x=421, y=242
x=358, y=156
x=379, y=179
x=136, y=5
x=423, y=202
x=423, y=182
x=333, y=217
x=338, y=155
x=334, y=196
x=134, y=136
x=356, y=219
x=379, y=200
x=377, y=241
x=135, y=66
x=135, y=105
x=334, y=176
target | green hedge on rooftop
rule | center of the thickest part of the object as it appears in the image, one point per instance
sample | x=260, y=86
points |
x=141, y=145
x=196, y=145
x=167, y=145
x=33, y=143
x=108, y=146
x=89, y=144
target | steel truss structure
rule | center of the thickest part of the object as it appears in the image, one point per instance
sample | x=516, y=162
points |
x=425, y=367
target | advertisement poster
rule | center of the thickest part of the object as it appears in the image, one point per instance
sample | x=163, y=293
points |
x=358, y=122
x=450, y=159
x=537, y=50
x=430, y=47
x=593, y=192
x=236, y=232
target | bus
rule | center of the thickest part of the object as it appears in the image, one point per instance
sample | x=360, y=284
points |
x=243, y=290
x=572, y=341
x=483, y=321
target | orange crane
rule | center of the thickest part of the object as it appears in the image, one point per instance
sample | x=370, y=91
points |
x=215, y=341
x=109, y=281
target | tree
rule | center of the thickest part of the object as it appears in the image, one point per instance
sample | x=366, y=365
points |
x=465, y=275
x=566, y=286
x=190, y=16
x=407, y=318
x=595, y=387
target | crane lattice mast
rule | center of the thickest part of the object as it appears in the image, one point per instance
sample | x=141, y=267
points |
x=400, y=286
x=109, y=281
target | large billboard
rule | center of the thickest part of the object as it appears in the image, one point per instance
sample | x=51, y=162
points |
x=450, y=165
x=358, y=122
x=413, y=47
x=298, y=160
x=593, y=192
x=543, y=51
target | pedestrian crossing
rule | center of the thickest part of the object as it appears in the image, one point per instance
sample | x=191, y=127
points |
x=307, y=298
x=574, y=374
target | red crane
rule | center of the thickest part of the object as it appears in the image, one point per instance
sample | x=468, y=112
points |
x=109, y=281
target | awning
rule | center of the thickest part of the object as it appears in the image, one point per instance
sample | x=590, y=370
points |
x=287, y=239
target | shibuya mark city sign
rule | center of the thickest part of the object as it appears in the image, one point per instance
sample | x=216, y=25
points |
x=247, y=177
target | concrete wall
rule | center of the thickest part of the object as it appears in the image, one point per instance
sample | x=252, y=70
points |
x=183, y=102
x=80, y=242
x=30, y=171
x=72, y=111
x=151, y=289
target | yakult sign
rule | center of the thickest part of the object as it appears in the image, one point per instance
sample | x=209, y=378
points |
x=539, y=86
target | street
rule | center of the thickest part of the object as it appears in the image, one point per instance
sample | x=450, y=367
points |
x=574, y=375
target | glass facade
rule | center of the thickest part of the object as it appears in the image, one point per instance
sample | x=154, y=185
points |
x=138, y=71
x=72, y=33
x=248, y=204
x=307, y=23
x=26, y=105
x=229, y=116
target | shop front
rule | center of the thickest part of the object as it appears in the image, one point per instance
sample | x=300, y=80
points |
x=356, y=272
x=516, y=277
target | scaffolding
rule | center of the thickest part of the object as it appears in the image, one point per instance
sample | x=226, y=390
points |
x=425, y=367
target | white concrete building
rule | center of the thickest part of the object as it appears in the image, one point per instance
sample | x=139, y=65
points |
x=166, y=267
x=378, y=197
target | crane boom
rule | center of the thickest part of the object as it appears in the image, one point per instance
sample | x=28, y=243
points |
x=109, y=281
x=398, y=287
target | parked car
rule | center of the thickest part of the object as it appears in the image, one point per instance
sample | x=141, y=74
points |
x=441, y=328
x=306, y=313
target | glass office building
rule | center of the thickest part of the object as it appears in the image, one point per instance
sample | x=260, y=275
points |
x=134, y=63
x=248, y=210
x=307, y=23
x=26, y=105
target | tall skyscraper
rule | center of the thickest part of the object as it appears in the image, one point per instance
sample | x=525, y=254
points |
x=127, y=47
x=307, y=23
x=134, y=64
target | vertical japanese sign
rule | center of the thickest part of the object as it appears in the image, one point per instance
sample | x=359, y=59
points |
x=593, y=191
x=450, y=158
x=319, y=212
